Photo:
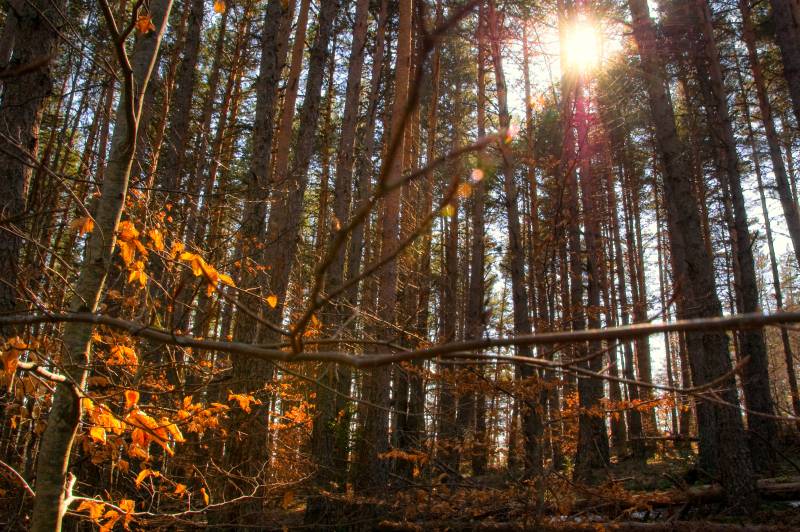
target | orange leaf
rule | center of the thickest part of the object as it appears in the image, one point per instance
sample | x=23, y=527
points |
x=180, y=489
x=272, y=300
x=158, y=240
x=131, y=398
x=173, y=430
x=138, y=274
x=10, y=361
x=127, y=505
x=205, y=496
x=219, y=6
x=112, y=516
x=144, y=24
x=144, y=474
x=176, y=248
x=127, y=251
x=83, y=225
x=135, y=450
x=288, y=498
x=98, y=434
x=123, y=355
x=94, y=508
x=87, y=404
x=244, y=400
x=126, y=231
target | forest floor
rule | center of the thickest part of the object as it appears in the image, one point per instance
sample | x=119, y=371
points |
x=665, y=493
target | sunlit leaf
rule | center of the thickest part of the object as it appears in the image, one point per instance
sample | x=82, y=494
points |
x=137, y=274
x=288, y=499
x=144, y=474
x=176, y=248
x=83, y=225
x=244, y=400
x=123, y=355
x=127, y=251
x=157, y=239
x=93, y=508
x=98, y=434
x=144, y=24
x=131, y=398
x=126, y=231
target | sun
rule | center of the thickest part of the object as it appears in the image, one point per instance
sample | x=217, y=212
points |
x=583, y=47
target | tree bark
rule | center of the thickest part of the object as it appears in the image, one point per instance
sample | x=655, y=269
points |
x=24, y=97
x=531, y=410
x=722, y=437
x=329, y=435
x=756, y=373
x=371, y=470
x=786, y=18
x=65, y=414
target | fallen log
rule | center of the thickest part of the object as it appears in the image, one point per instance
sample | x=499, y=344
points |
x=769, y=488
x=675, y=526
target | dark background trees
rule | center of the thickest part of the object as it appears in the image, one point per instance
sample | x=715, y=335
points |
x=320, y=256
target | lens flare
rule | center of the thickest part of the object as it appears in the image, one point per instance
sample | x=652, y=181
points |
x=583, y=47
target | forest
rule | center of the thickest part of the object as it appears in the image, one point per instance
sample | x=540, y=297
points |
x=399, y=265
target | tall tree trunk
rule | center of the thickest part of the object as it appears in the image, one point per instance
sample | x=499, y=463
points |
x=285, y=132
x=531, y=411
x=328, y=441
x=592, y=450
x=24, y=97
x=363, y=185
x=722, y=437
x=788, y=203
x=65, y=414
x=251, y=374
x=447, y=433
x=756, y=373
x=286, y=201
x=786, y=18
x=475, y=314
x=371, y=471
x=773, y=260
x=173, y=158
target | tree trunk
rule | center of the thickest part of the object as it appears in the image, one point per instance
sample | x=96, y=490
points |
x=722, y=437
x=788, y=203
x=756, y=373
x=592, y=450
x=173, y=158
x=65, y=414
x=287, y=195
x=773, y=260
x=285, y=132
x=786, y=19
x=475, y=313
x=371, y=470
x=250, y=374
x=24, y=97
x=531, y=410
x=329, y=436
